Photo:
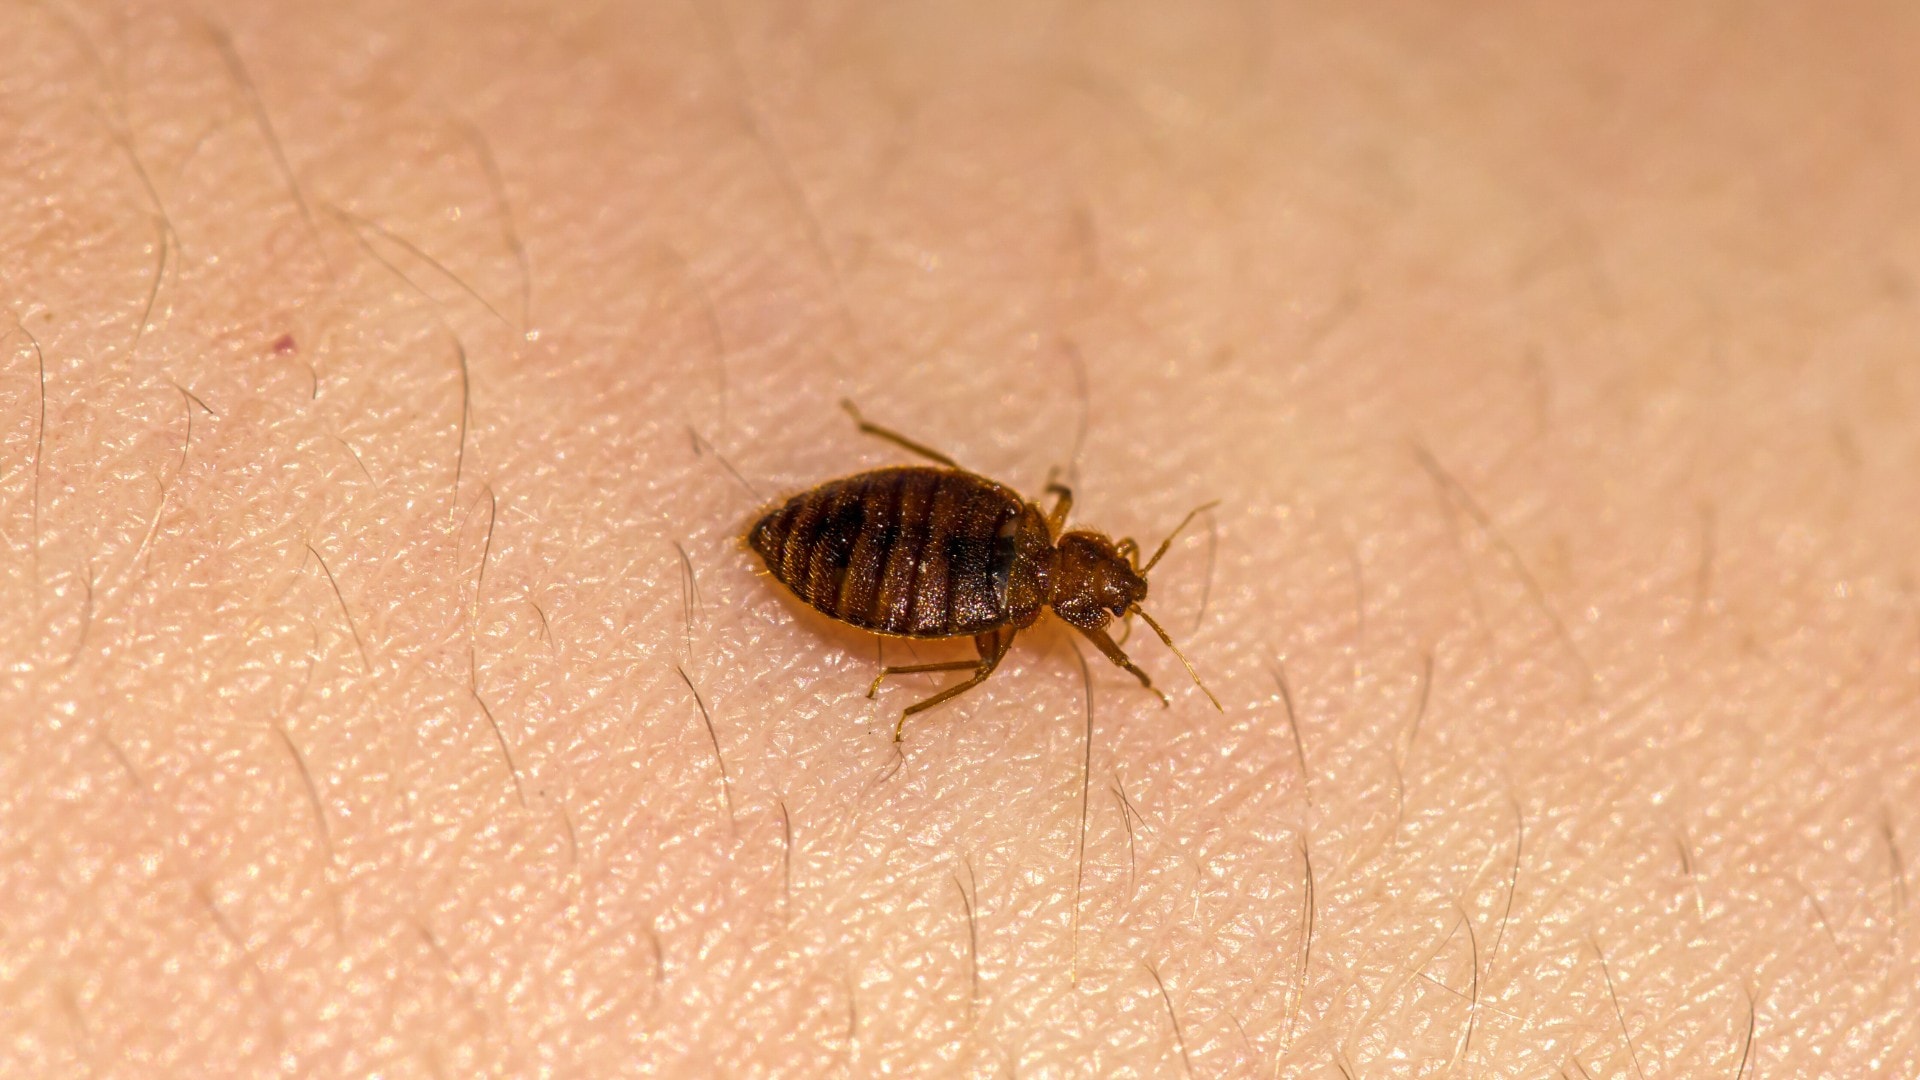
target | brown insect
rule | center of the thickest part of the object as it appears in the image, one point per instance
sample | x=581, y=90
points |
x=921, y=552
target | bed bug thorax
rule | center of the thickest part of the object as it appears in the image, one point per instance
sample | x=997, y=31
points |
x=941, y=552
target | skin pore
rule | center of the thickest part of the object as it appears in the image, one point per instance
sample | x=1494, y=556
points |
x=387, y=690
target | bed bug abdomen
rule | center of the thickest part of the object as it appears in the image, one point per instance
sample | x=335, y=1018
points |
x=912, y=551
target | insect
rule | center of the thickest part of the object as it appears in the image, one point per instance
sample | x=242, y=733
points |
x=917, y=551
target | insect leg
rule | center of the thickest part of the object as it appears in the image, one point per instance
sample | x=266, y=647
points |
x=992, y=645
x=1105, y=644
x=1063, y=502
x=898, y=439
x=919, y=669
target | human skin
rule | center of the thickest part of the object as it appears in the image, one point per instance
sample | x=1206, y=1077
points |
x=1552, y=368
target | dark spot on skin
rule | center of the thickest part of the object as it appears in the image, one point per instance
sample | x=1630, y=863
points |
x=285, y=345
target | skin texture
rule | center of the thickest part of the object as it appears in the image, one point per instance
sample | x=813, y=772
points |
x=1552, y=364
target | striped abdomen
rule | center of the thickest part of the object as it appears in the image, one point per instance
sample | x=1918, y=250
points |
x=914, y=551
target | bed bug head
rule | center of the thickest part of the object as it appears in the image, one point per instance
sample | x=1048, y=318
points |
x=1095, y=580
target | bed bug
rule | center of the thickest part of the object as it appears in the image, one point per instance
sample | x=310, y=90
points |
x=919, y=551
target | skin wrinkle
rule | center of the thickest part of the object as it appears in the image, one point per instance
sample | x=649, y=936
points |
x=1626, y=666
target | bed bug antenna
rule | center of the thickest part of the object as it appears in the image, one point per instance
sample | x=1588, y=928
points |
x=1142, y=612
x=1168, y=542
